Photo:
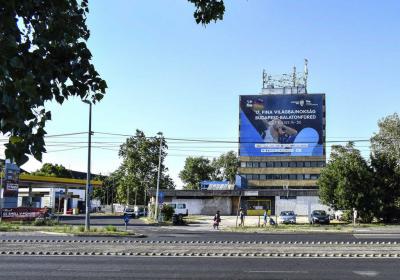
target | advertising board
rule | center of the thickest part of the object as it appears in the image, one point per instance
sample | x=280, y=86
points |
x=21, y=213
x=281, y=125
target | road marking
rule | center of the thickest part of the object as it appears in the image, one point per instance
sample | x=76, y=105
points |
x=377, y=235
x=367, y=273
x=277, y=271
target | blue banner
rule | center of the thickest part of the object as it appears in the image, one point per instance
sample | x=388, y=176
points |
x=281, y=125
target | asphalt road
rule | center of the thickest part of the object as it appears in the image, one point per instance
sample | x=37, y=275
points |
x=189, y=233
x=21, y=267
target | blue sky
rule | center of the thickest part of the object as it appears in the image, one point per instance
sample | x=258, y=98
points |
x=166, y=73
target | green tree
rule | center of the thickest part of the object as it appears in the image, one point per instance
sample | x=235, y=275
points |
x=53, y=170
x=225, y=167
x=44, y=57
x=347, y=182
x=385, y=161
x=196, y=169
x=139, y=168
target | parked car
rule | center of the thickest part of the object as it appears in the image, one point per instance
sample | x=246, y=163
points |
x=180, y=209
x=129, y=212
x=140, y=211
x=319, y=217
x=287, y=217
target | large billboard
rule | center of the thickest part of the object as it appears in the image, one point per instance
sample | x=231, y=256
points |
x=281, y=125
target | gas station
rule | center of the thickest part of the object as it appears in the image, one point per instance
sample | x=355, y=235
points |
x=61, y=195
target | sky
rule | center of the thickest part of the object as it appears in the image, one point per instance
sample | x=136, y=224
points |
x=167, y=74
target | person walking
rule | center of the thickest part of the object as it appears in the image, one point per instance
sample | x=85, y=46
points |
x=265, y=218
x=241, y=214
x=217, y=220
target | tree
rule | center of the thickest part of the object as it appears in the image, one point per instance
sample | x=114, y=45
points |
x=53, y=170
x=196, y=169
x=208, y=10
x=139, y=168
x=44, y=57
x=385, y=161
x=347, y=182
x=387, y=141
x=225, y=167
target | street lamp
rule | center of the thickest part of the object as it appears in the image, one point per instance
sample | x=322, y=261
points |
x=158, y=177
x=87, y=193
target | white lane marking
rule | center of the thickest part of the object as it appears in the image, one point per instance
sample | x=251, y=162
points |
x=377, y=235
x=369, y=273
x=276, y=271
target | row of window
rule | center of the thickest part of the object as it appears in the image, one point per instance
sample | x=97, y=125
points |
x=265, y=164
x=281, y=176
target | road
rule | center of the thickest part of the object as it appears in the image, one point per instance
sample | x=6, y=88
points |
x=34, y=267
x=192, y=233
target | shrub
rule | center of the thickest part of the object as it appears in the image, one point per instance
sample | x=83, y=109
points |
x=111, y=228
x=81, y=228
x=167, y=211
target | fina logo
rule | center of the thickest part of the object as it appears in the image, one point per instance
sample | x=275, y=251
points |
x=249, y=103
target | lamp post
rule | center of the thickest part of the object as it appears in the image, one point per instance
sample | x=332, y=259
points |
x=87, y=193
x=158, y=177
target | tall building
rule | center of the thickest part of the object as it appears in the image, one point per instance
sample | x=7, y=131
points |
x=282, y=147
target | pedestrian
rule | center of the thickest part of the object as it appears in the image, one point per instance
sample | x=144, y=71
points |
x=265, y=218
x=217, y=220
x=241, y=218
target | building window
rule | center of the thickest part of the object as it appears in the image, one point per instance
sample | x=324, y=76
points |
x=321, y=164
x=270, y=164
x=277, y=164
x=285, y=164
x=300, y=164
x=285, y=176
x=292, y=164
x=313, y=164
x=263, y=177
x=277, y=176
x=243, y=164
x=249, y=164
x=307, y=176
x=255, y=165
x=269, y=177
x=314, y=176
x=292, y=177
x=300, y=177
x=256, y=177
x=307, y=164
x=263, y=164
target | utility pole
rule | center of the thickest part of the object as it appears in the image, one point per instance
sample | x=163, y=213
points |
x=88, y=186
x=158, y=177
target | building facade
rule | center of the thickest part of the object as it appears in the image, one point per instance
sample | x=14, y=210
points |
x=282, y=150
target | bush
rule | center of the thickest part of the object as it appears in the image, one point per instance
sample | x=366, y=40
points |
x=44, y=222
x=111, y=228
x=347, y=216
x=81, y=228
x=167, y=211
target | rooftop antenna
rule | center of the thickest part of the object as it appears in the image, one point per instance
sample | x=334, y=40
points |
x=305, y=77
x=294, y=76
x=264, y=79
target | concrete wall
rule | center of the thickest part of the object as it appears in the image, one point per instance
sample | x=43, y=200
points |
x=207, y=206
x=302, y=205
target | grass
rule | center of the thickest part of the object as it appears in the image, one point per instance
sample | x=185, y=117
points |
x=56, y=228
x=337, y=227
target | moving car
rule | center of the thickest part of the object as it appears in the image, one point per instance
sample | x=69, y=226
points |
x=287, y=217
x=319, y=217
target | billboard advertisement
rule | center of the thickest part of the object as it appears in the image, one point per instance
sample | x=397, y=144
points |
x=281, y=125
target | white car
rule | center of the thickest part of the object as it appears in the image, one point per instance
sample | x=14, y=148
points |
x=179, y=208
